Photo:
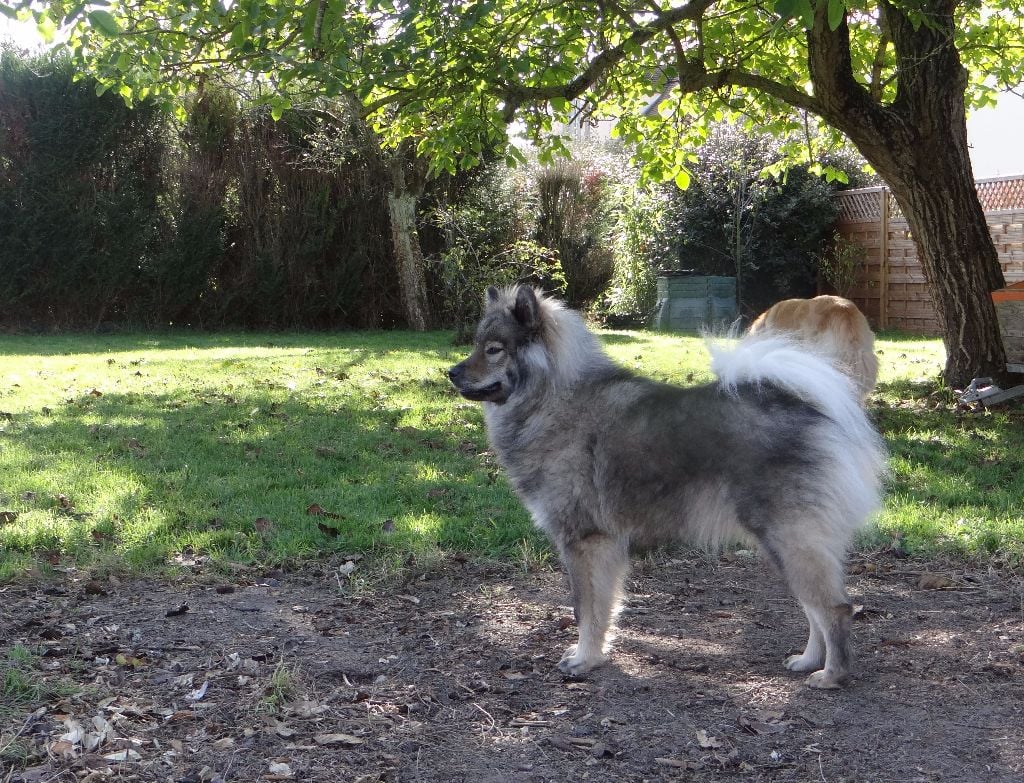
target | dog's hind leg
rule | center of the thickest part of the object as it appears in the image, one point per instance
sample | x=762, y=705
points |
x=813, y=570
x=596, y=566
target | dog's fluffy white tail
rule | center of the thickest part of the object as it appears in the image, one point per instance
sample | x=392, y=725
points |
x=765, y=357
x=856, y=447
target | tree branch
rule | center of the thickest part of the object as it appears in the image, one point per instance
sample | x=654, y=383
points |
x=516, y=95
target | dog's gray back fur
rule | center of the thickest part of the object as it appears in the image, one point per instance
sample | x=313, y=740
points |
x=599, y=454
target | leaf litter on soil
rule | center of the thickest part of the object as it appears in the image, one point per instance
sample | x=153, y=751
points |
x=450, y=675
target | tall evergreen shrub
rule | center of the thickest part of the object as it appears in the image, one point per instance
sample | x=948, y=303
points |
x=79, y=188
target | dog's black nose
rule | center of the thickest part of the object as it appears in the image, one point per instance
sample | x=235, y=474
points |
x=455, y=373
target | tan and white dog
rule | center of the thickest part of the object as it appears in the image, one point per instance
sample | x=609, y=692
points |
x=833, y=327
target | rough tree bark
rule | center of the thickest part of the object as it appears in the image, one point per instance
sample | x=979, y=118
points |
x=406, y=175
x=406, y=189
x=918, y=144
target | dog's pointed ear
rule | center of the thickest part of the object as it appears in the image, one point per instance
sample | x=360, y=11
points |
x=492, y=296
x=527, y=308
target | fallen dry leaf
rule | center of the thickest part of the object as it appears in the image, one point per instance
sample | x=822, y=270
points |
x=706, y=741
x=74, y=733
x=123, y=755
x=306, y=709
x=929, y=581
x=6, y=517
x=316, y=510
x=62, y=749
x=279, y=770
x=337, y=739
x=199, y=692
x=262, y=524
x=330, y=532
x=763, y=722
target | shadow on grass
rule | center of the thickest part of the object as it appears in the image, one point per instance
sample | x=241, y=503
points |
x=958, y=475
x=233, y=473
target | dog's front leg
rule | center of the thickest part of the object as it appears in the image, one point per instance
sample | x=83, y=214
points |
x=596, y=566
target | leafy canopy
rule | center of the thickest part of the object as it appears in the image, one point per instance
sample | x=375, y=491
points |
x=452, y=74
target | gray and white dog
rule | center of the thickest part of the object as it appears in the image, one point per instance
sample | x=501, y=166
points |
x=778, y=450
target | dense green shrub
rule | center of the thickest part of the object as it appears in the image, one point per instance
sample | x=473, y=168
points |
x=308, y=245
x=231, y=219
x=573, y=218
x=638, y=232
x=198, y=173
x=485, y=228
x=573, y=227
x=80, y=180
x=111, y=215
x=734, y=219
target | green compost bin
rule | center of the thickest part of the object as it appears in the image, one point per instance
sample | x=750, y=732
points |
x=689, y=303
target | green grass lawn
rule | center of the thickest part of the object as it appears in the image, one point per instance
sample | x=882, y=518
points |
x=138, y=451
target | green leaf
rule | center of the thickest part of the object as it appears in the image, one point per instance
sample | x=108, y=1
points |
x=560, y=105
x=791, y=9
x=787, y=9
x=101, y=88
x=7, y=11
x=239, y=35
x=836, y=11
x=278, y=106
x=74, y=13
x=682, y=179
x=104, y=21
x=46, y=28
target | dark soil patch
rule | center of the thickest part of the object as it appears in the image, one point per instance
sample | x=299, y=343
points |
x=451, y=676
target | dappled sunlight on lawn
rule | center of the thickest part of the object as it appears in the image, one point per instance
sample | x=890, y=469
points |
x=224, y=450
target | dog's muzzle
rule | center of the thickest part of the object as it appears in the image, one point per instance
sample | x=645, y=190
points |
x=493, y=392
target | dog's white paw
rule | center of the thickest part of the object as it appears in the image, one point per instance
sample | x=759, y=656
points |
x=576, y=664
x=803, y=663
x=825, y=681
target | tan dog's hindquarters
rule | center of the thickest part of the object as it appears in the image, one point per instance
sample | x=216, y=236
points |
x=834, y=327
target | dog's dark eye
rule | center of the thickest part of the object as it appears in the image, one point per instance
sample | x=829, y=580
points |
x=493, y=350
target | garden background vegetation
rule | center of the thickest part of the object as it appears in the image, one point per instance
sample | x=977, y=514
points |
x=117, y=217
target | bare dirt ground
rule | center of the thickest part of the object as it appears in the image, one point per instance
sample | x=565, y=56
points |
x=450, y=676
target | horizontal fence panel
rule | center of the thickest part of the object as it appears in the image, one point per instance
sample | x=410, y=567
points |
x=892, y=290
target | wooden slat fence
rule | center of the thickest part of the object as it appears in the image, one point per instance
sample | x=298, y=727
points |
x=891, y=288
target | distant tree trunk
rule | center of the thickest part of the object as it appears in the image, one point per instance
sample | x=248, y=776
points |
x=406, y=188
x=407, y=175
x=919, y=146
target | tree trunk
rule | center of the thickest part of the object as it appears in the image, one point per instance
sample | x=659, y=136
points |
x=960, y=262
x=412, y=281
x=918, y=144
